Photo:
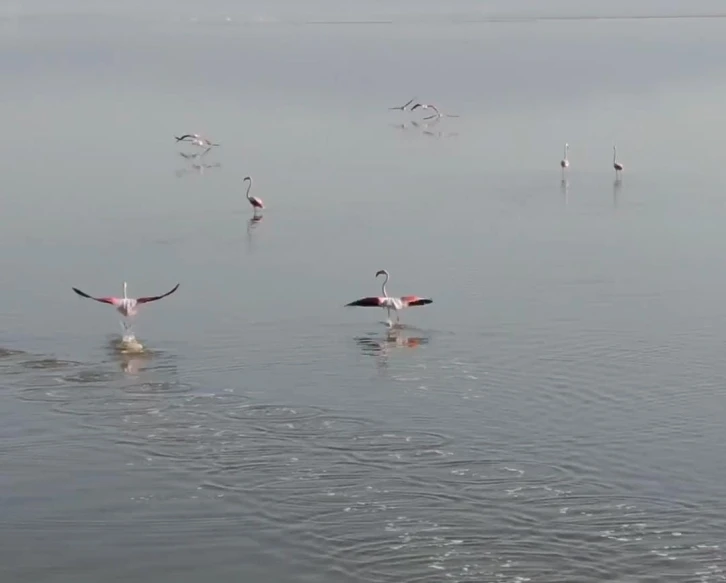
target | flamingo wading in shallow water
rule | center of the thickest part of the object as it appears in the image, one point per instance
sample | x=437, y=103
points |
x=565, y=163
x=254, y=201
x=125, y=305
x=390, y=303
x=617, y=165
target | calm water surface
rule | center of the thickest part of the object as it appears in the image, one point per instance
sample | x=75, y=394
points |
x=555, y=415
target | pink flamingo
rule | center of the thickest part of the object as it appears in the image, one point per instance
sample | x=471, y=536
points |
x=126, y=306
x=565, y=163
x=196, y=139
x=617, y=165
x=254, y=201
x=388, y=302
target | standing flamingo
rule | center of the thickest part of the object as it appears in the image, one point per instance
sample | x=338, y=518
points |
x=254, y=201
x=565, y=163
x=617, y=165
x=390, y=303
x=126, y=306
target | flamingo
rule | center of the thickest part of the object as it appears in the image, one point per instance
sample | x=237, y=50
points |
x=196, y=139
x=617, y=165
x=254, y=201
x=427, y=106
x=126, y=306
x=438, y=114
x=185, y=136
x=388, y=302
x=403, y=107
x=565, y=163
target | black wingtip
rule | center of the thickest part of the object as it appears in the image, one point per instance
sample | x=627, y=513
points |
x=80, y=293
x=422, y=302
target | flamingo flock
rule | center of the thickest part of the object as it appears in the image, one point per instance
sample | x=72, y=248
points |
x=128, y=307
x=565, y=162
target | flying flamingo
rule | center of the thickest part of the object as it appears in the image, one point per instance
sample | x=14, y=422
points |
x=196, y=139
x=390, y=303
x=427, y=106
x=403, y=107
x=438, y=114
x=617, y=165
x=185, y=136
x=126, y=306
x=565, y=163
x=254, y=201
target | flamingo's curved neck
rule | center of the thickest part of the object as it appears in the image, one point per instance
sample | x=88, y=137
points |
x=566, y=147
x=615, y=153
x=249, y=187
x=383, y=287
x=125, y=296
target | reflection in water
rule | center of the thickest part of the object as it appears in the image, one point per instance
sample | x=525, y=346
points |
x=617, y=185
x=565, y=188
x=196, y=165
x=395, y=338
x=425, y=128
x=251, y=226
x=130, y=352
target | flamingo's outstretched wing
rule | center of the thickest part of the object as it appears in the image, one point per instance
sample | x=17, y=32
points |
x=111, y=301
x=148, y=299
x=416, y=301
x=371, y=302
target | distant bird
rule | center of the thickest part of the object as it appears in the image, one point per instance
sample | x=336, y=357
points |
x=403, y=107
x=438, y=114
x=427, y=106
x=126, y=306
x=254, y=201
x=195, y=139
x=389, y=303
x=185, y=136
x=565, y=163
x=617, y=165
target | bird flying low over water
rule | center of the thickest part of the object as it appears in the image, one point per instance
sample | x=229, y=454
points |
x=403, y=107
x=195, y=139
x=389, y=303
x=125, y=305
x=438, y=114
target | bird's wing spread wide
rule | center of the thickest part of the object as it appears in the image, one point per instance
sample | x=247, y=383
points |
x=148, y=299
x=85, y=295
x=416, y=301
x=372, y=302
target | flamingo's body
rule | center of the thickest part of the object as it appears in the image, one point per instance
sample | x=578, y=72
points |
x=389, y=303
x=565, y=163
x=617, y=165
x=404, y=106
x=256, y=203
x=195, y=139
x=125, y=305
x=438, y=114
x=186, y=136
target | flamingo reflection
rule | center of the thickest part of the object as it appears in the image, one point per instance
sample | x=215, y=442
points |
x=252, y=224
x=394, y=339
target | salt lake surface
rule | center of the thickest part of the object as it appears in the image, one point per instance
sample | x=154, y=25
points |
x=557, y=414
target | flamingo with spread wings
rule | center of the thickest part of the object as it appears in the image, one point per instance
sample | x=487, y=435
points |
x=125, y=305
x=390, y=303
